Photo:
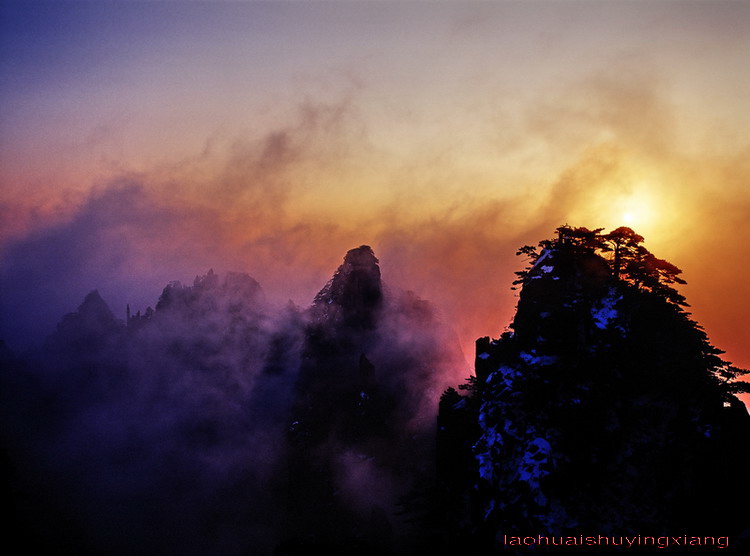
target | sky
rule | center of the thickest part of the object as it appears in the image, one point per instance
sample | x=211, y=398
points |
x=144, y=142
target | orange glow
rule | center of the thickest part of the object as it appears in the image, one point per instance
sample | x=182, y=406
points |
x=444, y=137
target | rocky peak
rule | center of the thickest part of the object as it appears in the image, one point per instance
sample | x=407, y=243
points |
x=85, y=328
x=95, y=311
x=93, y=316
x=208, y=294
x=558, y=297
x=354, y=295
x=604, y=381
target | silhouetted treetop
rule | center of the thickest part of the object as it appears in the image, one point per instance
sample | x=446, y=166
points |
x=603, y=407
x=629, y=261
x=619, y=260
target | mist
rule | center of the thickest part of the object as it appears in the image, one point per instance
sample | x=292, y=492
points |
x=184, y=370
x=215, y=420
x=445, y=217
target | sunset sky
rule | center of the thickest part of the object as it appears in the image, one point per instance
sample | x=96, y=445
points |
x=143, y=142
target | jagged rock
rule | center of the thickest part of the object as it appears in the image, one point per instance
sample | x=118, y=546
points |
x=353, y=297
x=369, y=362
x=604, y=410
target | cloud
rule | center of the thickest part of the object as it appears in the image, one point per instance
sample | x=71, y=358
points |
x=121, y=239
x=283, y=203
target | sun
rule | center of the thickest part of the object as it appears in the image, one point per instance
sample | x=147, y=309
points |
x=635, y=210
x=638, y=206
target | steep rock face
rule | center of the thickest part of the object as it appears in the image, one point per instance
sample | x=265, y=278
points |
x=602, y=411
x=556, y=299
x=353, y=297
x=336, y=380
x=361, y=431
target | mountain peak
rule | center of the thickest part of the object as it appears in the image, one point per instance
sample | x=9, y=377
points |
x=84, y=328
x=354, y=295
x=604, y=381
x=94, y=313
x=361, y=257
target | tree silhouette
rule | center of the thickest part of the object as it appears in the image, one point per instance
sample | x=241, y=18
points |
x=633, y=266
x=629, y=262
x=644, y=270
x=605, y=381
x=583, y=239
x=624, y=241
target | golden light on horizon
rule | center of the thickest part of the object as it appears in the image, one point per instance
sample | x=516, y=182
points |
x=636, y=210
x=637, y=206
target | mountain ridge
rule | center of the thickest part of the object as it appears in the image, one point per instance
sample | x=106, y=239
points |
x=605, y=408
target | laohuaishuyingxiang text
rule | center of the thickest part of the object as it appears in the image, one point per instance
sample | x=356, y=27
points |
x=637, y=541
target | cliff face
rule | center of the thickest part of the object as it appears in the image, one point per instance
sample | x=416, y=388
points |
x=361, y=432
x=353, y=297
x=601, y=412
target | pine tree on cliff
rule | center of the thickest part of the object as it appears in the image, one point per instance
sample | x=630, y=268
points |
x=606, y=409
